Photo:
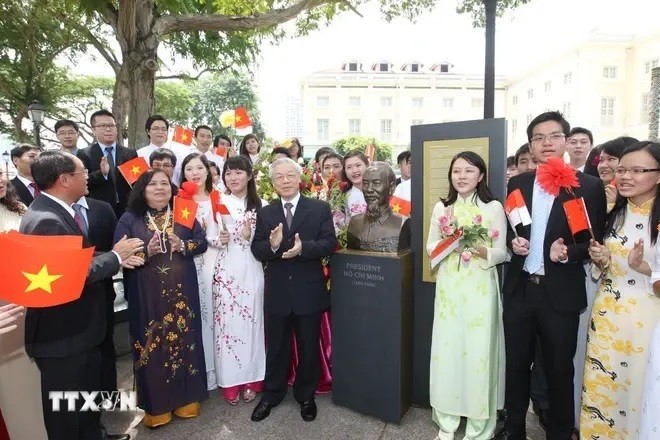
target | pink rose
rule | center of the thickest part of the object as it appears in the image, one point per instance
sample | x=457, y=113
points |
x=477, y=220
x=447, y=230
x=444, y=221
x=466, y=256
x=494, y=233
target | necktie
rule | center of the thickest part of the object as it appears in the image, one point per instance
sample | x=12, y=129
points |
x=289, y=214
x=540, y=211
x=113, y=169
x=35, y=190
x=79, y=218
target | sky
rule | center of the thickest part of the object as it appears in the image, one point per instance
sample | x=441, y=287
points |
x=524, y=38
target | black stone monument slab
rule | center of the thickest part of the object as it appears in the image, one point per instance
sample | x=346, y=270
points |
x=372, y=332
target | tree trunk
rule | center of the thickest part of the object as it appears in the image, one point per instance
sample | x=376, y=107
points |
x=133, y=97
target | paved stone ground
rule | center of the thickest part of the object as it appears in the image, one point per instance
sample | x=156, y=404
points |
x=219, y=420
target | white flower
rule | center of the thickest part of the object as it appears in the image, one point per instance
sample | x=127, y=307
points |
x=276, y=196
x=301, y=160
x=265, y=163
x=260, y=175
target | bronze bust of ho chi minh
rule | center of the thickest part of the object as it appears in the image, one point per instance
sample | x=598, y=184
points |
x=379, y=229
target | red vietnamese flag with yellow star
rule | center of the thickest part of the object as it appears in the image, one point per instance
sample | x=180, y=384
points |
x=400, y=206
x=241, y=118
x=185, y=211
x=183, y=135
x=133, y=169
x=43, y=271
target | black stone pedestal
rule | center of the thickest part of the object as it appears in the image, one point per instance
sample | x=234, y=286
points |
x=372, y=333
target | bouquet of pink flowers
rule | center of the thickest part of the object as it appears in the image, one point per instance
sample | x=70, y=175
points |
x=474, y=234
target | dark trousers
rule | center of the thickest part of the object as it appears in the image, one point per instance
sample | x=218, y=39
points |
x=539, y=384
x=528, y=315
x=307, y=329
x=77, y=372
x=107, y=349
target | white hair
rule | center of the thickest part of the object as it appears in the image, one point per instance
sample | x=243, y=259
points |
x=283, y=161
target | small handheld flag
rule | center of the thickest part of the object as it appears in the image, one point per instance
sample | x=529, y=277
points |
x=183, y=135
x=43, y=271
x=241, y=118
x=445, y=247
x=400, y=206
x=516, y=210
x=185, y=211
x=133, y=169
x=576, y=214
x=221, y=151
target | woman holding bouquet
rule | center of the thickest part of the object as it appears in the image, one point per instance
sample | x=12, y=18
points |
x=467, y=348
x=197, y=184
x=238, y=287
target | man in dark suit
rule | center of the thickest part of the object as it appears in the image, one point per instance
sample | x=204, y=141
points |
x=102, y=159
x=64, y=340
x=292, y=235
x=99, y=223
x=22, y=157
x=544, y=287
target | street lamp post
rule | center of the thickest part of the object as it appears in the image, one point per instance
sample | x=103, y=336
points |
x=489, y=77
x=36, y=112
x=5, y=156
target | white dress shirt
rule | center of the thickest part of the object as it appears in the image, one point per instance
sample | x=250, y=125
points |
x=28, y=183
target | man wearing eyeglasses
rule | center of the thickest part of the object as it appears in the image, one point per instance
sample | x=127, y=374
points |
x=544, y=287
x=580, y=141
x=67, y=133
x=102, y=159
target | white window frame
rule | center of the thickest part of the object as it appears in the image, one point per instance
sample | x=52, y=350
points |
x=322, y=101
x=323, y=133
x=355, y=127
x=386, y=129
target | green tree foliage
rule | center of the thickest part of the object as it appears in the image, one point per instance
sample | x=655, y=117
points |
x=383, y=151
x=214, y=94
x=32, y=36
x=174, y=101
x=215, y=35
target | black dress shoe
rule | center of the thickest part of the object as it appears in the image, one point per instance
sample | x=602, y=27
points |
x=308, y=410
x=261, y=411
x=117, y=437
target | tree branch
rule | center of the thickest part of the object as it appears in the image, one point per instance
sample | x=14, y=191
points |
x=167, y=24
x=186, y=76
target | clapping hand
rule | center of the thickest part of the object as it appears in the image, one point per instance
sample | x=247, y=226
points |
x=8, y=315
x=558, y=251
x=155, y=246
x=175, y=242
x=636, y=255
x=610, y=194
x=105, y=166
x=276, y=237
x=127, y=247
x=247, y=227
x=295, y=250
x=599, y=253
x=132, y=262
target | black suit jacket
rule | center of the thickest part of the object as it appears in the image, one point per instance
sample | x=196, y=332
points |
x=102, y=222
x=23, y=191
x=295, y=285
x=101, y=188
x=73, y=327
x=565, y=281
